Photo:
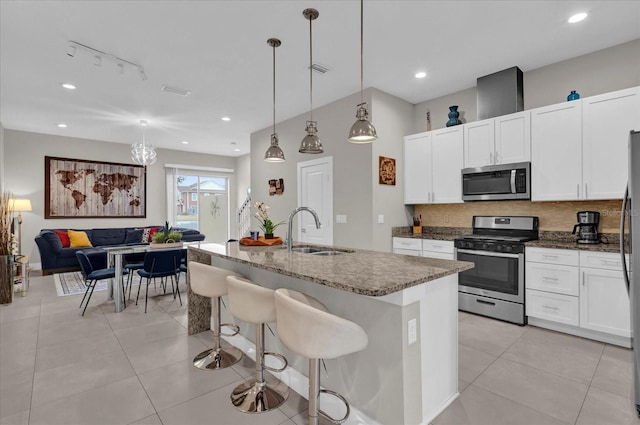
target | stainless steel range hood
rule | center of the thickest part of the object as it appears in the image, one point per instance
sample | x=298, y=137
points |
x=500, y=93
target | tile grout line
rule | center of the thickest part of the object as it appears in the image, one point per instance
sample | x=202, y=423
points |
x=590, y=382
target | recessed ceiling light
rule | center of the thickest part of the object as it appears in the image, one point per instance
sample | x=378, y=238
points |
x=237, y=150
x=68, y=86
x=184, y=142
x=62, y=125
x=577, y=17
x=420, y=75
x=225, y=119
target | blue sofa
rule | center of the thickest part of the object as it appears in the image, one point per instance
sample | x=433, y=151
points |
x=55, y=258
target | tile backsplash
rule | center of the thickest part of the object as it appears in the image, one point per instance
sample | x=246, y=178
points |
x=554, y=216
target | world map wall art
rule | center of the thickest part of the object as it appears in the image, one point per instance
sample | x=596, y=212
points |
x=78, y=188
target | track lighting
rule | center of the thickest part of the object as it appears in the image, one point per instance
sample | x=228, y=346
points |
x=99, y=55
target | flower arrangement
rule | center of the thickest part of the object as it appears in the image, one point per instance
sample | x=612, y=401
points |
x=264, y=222
x=7, y=241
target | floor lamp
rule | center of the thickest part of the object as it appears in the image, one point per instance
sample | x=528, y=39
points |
x=20, y=206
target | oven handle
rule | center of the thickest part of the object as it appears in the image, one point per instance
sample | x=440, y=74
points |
x=488, y=253
x=513, y=181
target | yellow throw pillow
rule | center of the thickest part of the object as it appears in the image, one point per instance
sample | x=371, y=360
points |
x=78, y=239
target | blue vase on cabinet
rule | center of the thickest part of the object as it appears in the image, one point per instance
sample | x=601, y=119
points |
x=453, y=116
x=573, y=96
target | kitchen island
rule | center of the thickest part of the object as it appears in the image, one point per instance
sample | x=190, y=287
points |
x=407, y=305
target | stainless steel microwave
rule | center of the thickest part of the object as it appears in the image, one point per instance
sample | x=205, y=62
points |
x=497, y=182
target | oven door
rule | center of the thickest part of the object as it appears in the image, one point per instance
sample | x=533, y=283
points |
x=496, y=275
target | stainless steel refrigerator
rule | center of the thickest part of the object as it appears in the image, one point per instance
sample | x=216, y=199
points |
x=631, y=211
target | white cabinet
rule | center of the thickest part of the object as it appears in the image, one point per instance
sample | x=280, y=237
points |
x=417, y=168
x=578, y=292
x=501, y=140
x=438, y=249
x=607, y=120
x=432, y=164
x=556, y=152
x=579, y=148
x=407, y=246
x=604, y=302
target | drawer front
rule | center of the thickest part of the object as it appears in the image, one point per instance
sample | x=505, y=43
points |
x=558, y=308
x=437, y=246
x=413, y=252
x=553, y=278
x=601, y=260
x=407, y=243
x=567, y=257
x=440, y=255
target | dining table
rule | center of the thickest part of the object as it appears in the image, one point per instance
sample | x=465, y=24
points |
x=114, y=259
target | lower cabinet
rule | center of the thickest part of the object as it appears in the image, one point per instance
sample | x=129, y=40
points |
x=578, y=292
x=424, y=247
x=407, y=246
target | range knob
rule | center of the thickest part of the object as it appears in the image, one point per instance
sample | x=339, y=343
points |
x=469, y=244
x=508, y=248
x=485, y=246
x=499, y=248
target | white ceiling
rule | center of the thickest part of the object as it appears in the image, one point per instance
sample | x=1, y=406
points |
x=218, y=51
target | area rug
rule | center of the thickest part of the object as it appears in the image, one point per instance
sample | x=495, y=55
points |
x=72, y=283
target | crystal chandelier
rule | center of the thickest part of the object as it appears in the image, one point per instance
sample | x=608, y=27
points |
x=141, y=153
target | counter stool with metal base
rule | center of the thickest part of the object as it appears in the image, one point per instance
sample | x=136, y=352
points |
x=254, y=304
x=210, y=281
x=311, y=331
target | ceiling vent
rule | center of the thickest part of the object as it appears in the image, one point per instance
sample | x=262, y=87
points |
x=176, y=90
x=320, y=69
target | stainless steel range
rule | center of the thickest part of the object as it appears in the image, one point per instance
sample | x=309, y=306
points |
x=495, y=286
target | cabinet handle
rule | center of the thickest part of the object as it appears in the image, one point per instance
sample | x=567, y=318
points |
x=586, y=190
x=491, y=158
x=552, y=257
x=583, y=278
x=550, y=279
x=578, y=190
x=611, y=262
x=548, y=307
x=497, y=159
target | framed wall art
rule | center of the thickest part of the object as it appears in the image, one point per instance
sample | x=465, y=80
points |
x=387, y=170
x=78, y=188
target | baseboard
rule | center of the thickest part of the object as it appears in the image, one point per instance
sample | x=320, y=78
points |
x=581, y=332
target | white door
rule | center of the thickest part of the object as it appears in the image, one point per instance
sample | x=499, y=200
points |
x=315, y=190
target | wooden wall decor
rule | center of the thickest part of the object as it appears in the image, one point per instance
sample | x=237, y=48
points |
x=78, y=188
x=276, y=187
x=386, y=170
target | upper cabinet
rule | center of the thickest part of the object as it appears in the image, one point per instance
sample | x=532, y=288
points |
x=432, y=164
x=579, y=148
x=556, y=153
x=500, y=140
x=606, y=122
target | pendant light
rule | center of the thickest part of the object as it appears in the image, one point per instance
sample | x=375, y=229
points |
x=274, y=153
x=362, y=131
x=141, y=153
x=311, y=142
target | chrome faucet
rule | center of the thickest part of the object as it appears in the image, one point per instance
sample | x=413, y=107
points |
x=290, y=230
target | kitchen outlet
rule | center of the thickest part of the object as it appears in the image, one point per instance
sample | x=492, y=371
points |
x=380, y=218
x=412, y=331
x=340, y=218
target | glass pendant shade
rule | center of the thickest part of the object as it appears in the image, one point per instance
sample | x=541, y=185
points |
x=362, y=131
x=311, y=142
x=274, y=153
x=142, y=153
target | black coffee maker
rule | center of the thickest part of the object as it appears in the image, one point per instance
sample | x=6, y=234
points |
x=587, y=227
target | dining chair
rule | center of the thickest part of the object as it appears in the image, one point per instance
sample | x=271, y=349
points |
x=162, y=263
x=133, y=262
x=92, y=276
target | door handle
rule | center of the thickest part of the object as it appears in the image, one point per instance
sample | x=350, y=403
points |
x=485, y=302
x=513, y=181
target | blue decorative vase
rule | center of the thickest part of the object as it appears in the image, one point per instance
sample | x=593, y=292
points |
x=573, y=96
x=453, y=116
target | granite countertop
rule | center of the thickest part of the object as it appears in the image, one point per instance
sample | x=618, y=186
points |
x=557, y=240
x=359, y=271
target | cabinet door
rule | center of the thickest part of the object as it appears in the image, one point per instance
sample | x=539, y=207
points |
x=417, y=168
x=513, y=138
x=556, y=152
x=604, y=303
x=607, y=120
x=446, y=164
x=478, y=143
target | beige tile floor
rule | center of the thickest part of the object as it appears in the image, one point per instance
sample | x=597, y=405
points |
x=134, y=368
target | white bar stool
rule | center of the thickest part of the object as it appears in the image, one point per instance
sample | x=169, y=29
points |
x=254, y=304
x=306, y=328
x=210, y=281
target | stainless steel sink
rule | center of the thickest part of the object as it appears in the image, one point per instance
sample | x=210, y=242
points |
x=327, y=253
x=307, y=249
x=323, y=251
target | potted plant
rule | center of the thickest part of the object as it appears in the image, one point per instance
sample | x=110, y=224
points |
x=264, y=222
x=166, y=238
x=7, y=247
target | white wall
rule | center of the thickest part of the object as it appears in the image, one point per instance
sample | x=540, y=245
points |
x=243, y=171
x=603, y=71
x=23, y=167
x=1, y=158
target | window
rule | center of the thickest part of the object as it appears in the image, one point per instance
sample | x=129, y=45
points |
x=194, y=196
